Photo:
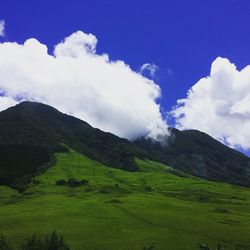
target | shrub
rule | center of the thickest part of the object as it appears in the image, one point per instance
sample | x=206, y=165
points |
x=61, y=182
x=72, y=182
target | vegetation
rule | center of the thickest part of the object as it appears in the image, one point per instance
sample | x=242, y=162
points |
x=30, y=134
x=72, y=182
x=48, y=242
x=4, y=244
x=197, y=153
x=114, y=211
x=57, y=172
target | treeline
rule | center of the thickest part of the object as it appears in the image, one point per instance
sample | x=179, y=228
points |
x=51, y=241
x=54, y=241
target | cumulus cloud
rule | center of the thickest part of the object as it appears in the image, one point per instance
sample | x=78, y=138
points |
x=2, y=27
x=149, y=69
x=219, y=105
x=77, y=80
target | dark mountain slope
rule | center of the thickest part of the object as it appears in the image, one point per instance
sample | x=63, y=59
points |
x=31, y=132
x=195, y=152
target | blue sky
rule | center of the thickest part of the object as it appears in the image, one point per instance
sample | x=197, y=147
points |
x=181, y=37
x=184, y=36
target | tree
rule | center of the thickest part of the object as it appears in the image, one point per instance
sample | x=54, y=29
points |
x=49, y=242
x=33, y=243
x=55, y=242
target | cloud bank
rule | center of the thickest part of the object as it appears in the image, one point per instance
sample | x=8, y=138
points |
x=2, y=27
x=219, y=105
x=78, y=81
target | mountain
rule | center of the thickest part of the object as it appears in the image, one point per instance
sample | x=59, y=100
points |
x=195, y=152
x=31, y=133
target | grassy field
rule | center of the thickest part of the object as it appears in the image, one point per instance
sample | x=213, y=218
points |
x=121, y=210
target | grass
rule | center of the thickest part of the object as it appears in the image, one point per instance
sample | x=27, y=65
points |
x=117, y=210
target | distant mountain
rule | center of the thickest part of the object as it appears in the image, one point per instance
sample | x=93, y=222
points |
x=195, y=152
x=30, y=134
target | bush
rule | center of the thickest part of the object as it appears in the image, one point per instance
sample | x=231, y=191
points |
x=72, y=182
x=61, y=182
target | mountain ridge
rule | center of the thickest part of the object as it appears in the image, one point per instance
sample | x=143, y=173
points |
x=195, y=152
x=40, y=130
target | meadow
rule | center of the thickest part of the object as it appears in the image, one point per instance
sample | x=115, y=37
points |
x=155, y=208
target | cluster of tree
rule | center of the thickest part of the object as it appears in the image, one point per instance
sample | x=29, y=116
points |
x=72, y=182
x=49, y=242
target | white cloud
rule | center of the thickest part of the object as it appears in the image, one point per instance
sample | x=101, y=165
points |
x=219, y=105
x=149, y=69
x=2, y=27
x=78, y=81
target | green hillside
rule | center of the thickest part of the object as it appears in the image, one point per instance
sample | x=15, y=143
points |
x=156, y=206
x=30, y=134
x=199, y=154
